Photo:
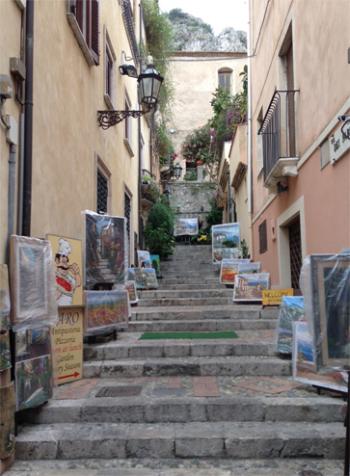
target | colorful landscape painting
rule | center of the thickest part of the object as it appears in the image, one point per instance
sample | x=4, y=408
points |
x=229, y=269
x=105, y=310
x=249, y=287
x=105, y=250
x=225, y=242
x=144, y=259
x=304, y=363
x=145, y=278
x=291, y=310
x=186, y=226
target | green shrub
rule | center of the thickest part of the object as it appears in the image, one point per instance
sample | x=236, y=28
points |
x=159, y=230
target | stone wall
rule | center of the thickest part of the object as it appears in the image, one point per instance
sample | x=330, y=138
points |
x=191, y=199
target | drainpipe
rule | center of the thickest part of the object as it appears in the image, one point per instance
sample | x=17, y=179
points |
x=11, y=191
x=28, y=121
x=139, y=147
x=250, y=139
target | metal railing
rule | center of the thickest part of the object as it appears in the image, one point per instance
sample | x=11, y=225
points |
x=278, y=129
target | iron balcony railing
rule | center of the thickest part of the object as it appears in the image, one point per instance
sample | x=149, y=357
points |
x=278, y=129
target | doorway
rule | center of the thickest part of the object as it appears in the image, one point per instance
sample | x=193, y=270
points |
x=295, y=251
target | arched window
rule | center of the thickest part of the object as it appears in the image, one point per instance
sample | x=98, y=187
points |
x=225, y=79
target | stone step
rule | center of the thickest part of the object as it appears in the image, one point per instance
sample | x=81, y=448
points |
x=202, y=293
x=182, y=348
x=195, y=366
x=180, y=467
x=201, y=325
x=190, y=278
x=181, y=440
x=188, y=286
x=196, y=409
x=185, y=301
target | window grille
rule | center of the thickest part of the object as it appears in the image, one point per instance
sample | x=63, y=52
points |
x=102, y=192
x=262, y=237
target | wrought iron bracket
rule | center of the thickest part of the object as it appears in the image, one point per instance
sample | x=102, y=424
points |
x=106, y=119
x=345, y=129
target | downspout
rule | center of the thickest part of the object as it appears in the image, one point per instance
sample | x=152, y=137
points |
x=11, y=194
x=249, y=145
x=140, y=244
x=28, y=121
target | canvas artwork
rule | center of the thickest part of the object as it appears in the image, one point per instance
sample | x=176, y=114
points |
x=145, y=278
x=291, y=310
x=4, y=298
x=144, y=259
x=67, y=253
x=33, y=368
x=105, y=310
x=105, y=250
x=249, y=287
x=229, y=269
x=33, y=285
x=304, y=362
x=186, y=226
x=249, y=267
x=132, y=291
x=225, y=242
x=330, y=293
x=5, y=353
x=155, y=259
x=7, y=421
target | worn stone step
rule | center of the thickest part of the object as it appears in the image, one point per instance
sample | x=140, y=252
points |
x=183, y=348
x=195, y=366
x=144, y=409
x=195, y=278
x=183, y=440
x=180, y=467
x=185, y=301
x=202, y=325
x=193, y=285
x=173, y=294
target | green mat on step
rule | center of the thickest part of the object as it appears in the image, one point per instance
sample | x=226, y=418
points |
x=188, y=335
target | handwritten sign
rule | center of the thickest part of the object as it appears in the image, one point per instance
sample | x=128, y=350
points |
x=273, y=297
x=68, y=345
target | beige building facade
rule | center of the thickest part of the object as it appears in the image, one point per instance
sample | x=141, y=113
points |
x=76, y=165
x=299, y=156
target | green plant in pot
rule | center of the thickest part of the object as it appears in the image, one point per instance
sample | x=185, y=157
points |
x=159, y=230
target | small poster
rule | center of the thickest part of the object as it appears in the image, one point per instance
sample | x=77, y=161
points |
x=225, y=242
x=5, y=353
x=229, y=269
x=186, y=226
x=291, y=310
x=105, y=250
x=273, y=297
x=144, y=259
x=33, y=372
x=249, y=287
x=4, y=298
x=132, y=291
x=7, y=421
x=106, y=311
x=67, y=254
x=68, y=346
x=304, y=363
x=145, y=278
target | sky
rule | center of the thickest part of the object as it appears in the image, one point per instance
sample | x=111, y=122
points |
x=219, y=14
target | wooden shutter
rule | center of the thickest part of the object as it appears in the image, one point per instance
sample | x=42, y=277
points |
x=79, y=13
x=94, y=32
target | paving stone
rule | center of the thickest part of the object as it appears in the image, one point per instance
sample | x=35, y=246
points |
x=205, y=387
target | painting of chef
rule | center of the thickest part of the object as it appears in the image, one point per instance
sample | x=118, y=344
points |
x=67, y=255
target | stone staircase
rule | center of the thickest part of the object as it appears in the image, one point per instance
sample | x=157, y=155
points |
x=224, y=407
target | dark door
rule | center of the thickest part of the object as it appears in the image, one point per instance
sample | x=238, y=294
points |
x=295, y=251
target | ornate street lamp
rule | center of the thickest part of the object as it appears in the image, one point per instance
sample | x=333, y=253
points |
x=149, y=83
x=177, y=171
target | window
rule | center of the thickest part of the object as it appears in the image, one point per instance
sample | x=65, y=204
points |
x=225, y=79
x=102, y=191
x=83, y=18
x=110, y=58
x=262, y=237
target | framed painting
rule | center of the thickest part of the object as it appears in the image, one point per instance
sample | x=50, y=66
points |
x=229, y=269
x=4, y=298
x=330, y=297
x=32, y=281
x=106, y=311
x=145, y=278
x=105, y=250
x=304, y=362
x=144, y=259
x=67, y=255
x=186, y=226
x=249, y=267
x=132, y=292
x=291, y=310
x=225, y=242
x=249, y=287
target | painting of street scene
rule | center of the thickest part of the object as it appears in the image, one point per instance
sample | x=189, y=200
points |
x=249, y=287
x=225, y=242
x=105, y=250
x=33, y=382
x=304, y=362
x=105, y=310
x=186, y=226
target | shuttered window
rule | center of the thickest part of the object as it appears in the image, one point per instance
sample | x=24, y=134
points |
x=102, y=192
x=85, y=27
x=262, y=237
x=225, y=79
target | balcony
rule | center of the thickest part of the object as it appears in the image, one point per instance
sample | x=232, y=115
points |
x=278, y=141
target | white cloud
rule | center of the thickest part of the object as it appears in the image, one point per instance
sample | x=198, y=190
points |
x=219, y=14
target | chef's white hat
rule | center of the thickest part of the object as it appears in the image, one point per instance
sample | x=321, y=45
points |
x=64, y=248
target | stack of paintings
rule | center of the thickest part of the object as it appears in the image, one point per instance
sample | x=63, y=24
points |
x=106, y=311
x=291, y=310
x=186, y=226
x=225, y=242
x=145, y=278
x=249, y=287
x=105, y=250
